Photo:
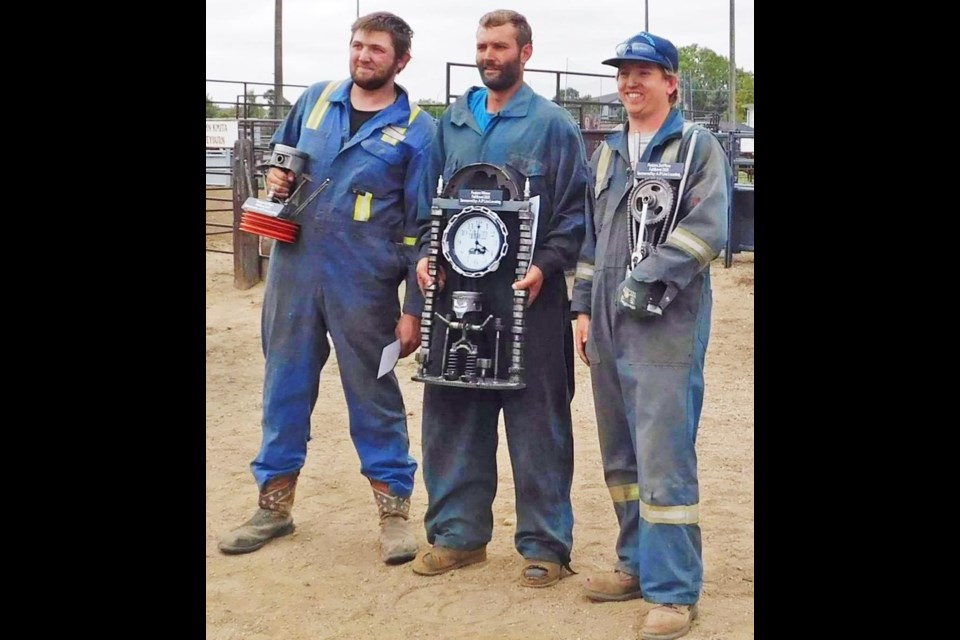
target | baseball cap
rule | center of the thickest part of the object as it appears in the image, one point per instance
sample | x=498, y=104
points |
x=646, y=47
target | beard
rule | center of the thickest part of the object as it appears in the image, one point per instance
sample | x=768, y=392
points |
x=377, y=80
x=509, y=74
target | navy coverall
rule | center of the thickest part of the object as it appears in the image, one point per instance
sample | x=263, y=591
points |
x=530, y=138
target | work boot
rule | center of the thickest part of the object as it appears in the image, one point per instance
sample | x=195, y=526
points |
x=271, y=520
x=397, y=542
x=668, y=621
x=614, y=586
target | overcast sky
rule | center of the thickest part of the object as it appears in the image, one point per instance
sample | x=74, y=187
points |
x=569, y=35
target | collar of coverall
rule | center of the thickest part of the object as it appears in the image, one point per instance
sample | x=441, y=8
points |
x=399, y=111
x=672, y=127
x=517, y=107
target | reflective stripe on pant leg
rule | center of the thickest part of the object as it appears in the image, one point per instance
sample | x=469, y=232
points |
x=619, y=459
x=666, y=407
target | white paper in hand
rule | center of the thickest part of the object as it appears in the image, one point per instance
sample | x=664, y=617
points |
x=535, y=210
x=389, y=357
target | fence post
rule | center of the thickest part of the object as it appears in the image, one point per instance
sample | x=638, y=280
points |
x=731, y=158
x=246, y=251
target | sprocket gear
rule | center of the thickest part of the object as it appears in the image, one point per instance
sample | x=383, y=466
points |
x=659, y=196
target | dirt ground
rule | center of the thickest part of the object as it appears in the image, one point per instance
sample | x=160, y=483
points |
x=325, y=581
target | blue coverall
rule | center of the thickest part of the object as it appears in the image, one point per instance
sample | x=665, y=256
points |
x=341, y=276
x=531, y=137
x=647, y=374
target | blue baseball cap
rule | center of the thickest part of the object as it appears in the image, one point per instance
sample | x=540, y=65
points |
x=646, y=47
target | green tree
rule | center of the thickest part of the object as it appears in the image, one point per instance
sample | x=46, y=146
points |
x=276, y=111
x=435, y=109
x=569, y=93
x=251, y=109
x=212, y=111
x=706, y=79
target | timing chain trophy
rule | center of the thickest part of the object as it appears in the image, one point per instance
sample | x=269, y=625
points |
x=478, y=223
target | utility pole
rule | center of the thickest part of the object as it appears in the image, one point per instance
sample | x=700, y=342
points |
x=733, y=73
x=278, y=61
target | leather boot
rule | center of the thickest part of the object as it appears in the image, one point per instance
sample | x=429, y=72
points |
x=615, y=586
x=668, y=621
x=397, y=542
x=271, y=520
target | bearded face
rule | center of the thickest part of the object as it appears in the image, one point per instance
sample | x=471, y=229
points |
x=499, y=57
x=373, y=61
x=500, y=75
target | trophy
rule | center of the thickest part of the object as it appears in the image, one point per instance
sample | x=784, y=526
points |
x=472, y=332
x=272, y=218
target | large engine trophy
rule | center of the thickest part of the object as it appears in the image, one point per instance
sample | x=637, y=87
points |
x=482, y=233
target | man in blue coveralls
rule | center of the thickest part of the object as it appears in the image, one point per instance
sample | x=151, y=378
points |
x=506, y=124
x=367, y=148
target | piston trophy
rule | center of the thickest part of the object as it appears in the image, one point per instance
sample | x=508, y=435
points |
x=481, y=234
x=273, y=218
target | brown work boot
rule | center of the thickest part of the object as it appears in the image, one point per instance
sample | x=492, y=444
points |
x=668, y=621
x=397, y=542
x=271, y=520
x=614, y=586
x=435, y=560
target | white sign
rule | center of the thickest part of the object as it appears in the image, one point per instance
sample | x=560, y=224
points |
x=221, y=133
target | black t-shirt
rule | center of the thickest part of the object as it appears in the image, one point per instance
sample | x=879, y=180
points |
x=357, y=117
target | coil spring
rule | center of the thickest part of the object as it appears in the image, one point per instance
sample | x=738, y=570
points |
x=470, y=366
x=453, y=364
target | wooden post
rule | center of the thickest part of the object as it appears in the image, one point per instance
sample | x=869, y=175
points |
x=246, y=249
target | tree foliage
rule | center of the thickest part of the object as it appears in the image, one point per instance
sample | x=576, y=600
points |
x=705, y=82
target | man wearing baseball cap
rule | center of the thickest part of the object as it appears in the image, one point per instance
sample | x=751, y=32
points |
x=661, y=188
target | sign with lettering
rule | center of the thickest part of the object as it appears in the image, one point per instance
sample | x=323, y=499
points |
x=480, y=196
x=672, y=170
x=221, y=133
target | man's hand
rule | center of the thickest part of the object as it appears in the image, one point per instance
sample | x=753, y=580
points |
x=633, y=297
x=532, y=282
x=278, y=182
x=423, y=276
x=408, y=331
x=580, y=333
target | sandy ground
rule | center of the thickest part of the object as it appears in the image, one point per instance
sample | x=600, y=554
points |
x=325, y=581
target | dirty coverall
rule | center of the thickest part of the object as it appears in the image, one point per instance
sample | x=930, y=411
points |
x=341, y=277
x=647, y=374
x=531, y=137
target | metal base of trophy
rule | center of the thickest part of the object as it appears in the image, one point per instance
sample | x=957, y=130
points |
x=481, y=383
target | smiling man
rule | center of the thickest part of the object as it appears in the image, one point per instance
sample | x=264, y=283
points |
x=645, y=335
x=506, y=124
x=367, y=149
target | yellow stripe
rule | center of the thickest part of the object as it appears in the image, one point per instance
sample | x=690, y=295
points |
x=320, y=107
x=361, y=208
x=691, y=244
x=672, y=150
x=413, y=114
x=409, y=240
x=625, y=492
x=684, y=514
x=584, y=271
x=393, y=134
x=602, y=165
